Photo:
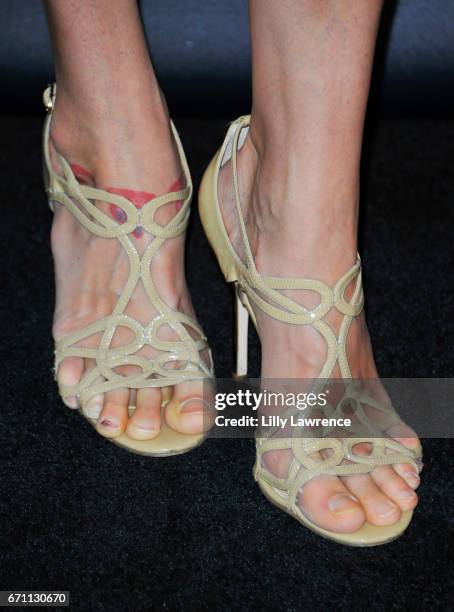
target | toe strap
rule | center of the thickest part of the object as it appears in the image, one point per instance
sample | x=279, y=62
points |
x=176, y=361
x=338, y=459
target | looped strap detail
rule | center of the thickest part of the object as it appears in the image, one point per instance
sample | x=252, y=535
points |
x=266, y=292
x=340, y=457
x=178, y=359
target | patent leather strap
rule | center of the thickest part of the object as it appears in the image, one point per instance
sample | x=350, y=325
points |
x=176, y=360
x=339, y=457
x=265, y=293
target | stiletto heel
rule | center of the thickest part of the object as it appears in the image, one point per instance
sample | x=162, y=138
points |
x=242, y=325
x=268, y=294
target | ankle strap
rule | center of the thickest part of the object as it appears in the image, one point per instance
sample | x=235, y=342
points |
x=265, y=292
x=66, y=190
x=49, y=96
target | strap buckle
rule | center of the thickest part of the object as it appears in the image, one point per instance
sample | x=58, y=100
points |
x=49, y=96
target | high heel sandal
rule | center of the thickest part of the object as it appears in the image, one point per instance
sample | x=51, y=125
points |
x=265, y=293
x=182, y=355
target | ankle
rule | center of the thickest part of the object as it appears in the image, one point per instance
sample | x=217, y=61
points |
x=298, y=212
x=314, y=157
x=131, y=136
x=124, y=89
x=103, y=113
x=286, y=204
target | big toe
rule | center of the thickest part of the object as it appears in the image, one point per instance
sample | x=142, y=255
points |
x=329, y=504
x=189, y=410
x=145, y=423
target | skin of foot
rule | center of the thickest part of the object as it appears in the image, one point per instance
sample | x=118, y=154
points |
x=288, y=232
x=128, y=151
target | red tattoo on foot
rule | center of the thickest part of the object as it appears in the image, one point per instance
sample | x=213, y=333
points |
x=82, y=175
x=138, y=198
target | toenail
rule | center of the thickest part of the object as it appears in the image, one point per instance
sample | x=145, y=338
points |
x=187, y=407
x=385, y=508
x=341, y=504
x=406, y=494
x=110, y=424
x=412, y=478
x=93, y=409
x=144, y=427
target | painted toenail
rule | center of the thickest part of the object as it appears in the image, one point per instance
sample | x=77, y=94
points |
x=110, y=424
x=385, y=508
x=341, y=504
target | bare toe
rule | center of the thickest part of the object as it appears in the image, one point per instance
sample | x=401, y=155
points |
x=114, y=416
x=378, y=507
x=188, y=411
x=93, y=407
x=69, y=374
x=394, y=487
x=327, y=502
x=408, y=473
x=145, y=423
x=406, y=436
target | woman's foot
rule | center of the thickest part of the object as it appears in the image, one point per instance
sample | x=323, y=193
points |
x=299, y=226
x=125, y=147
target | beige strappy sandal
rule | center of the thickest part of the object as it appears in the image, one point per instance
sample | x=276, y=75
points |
x=182, y=355
x=265, y=293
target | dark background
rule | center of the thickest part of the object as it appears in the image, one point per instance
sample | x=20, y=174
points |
x=202, y=57
x=123, y=532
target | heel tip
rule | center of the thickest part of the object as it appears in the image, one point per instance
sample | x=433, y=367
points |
x=236, y=376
